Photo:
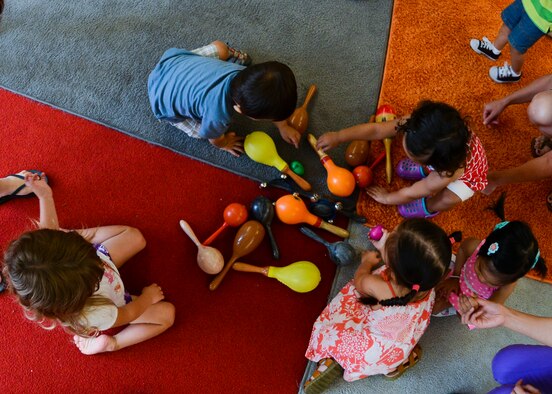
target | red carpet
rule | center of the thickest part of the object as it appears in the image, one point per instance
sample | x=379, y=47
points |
x=248, y=336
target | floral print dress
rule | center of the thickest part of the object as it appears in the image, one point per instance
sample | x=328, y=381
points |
x=365, y=341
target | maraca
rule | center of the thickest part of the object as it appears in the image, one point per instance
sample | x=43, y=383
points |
x=301, y=276
x=290, y=209
x=376, y=232
x=248, y=237
x=260, y=148
x=263, y=211
x=234, y=215
x=357, y=152
x=299, y=120
x=341, y=252
x=364, y=175
x=209, y=259
x=341, y=182
x=386, y=113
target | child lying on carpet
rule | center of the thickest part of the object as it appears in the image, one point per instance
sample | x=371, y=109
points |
x=71, y=278
x=445, y=158
x=198, y=92
x=490, y=268
x=373, y=325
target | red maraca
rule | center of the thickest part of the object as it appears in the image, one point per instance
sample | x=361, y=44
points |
x=364, y=175
x=234, y=215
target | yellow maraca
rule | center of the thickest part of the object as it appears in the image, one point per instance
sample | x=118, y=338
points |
x=261, y=148
x=301, y=276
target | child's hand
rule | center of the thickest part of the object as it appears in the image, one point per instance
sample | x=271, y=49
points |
x=38, y=185
x=521, y=388
x=328, y=141
x=289, y=134
x=444, y=288
x=380, y=244
x=378, y=193
x=370, y=257
x=230, y=143
x=491, y=112
x=154, y=293
x=482, y=313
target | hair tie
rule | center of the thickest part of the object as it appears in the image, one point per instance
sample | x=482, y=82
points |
x=537, y=257
x=492, y=248
x=416, y=288
x=501, y=224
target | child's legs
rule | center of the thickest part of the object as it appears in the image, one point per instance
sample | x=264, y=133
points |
x=156, y=319
x=216, y=49
x=448, y=197
x=189, y=126
x=122, y=242
x=502, y=38
x=532, y=363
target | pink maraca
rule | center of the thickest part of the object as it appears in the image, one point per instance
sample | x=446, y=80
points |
x=376, y=232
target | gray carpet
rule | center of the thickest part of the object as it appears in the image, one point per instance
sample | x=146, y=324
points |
x=93, y=59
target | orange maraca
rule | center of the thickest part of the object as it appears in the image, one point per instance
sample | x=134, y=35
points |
x=386, y=113
x=290, y=209
x=341, y=182
x=234, y=215
x=299, y=120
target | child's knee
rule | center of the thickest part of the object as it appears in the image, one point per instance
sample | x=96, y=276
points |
x=137, y=238
x=168, y=314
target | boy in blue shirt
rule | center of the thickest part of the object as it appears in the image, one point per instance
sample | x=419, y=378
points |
x=198, y=92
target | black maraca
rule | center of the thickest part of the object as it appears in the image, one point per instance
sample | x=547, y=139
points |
x=341, y=252
x=263, y=211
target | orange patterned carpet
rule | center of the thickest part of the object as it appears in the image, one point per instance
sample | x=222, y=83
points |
x=431, y=59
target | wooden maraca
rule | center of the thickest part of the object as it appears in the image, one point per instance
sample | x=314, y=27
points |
x=234, y=215
x=341, y=182
x=301, y=276
x=290, y=209
x=357, y=153
x=364, y=175
x=262, y=210
x=299, y=120
x=209, y=259
x=248, y=237
x=260, y=147
x=386, y=113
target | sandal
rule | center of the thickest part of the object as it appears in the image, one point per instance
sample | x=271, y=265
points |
x=415, y=209
x=327, y=371
x=541, y=145
x=413, y=358
x=410, y=170
x=15, y=194
x=549, y=201
x=238, y=57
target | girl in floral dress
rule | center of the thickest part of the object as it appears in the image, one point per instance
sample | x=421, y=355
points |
x=373, y=325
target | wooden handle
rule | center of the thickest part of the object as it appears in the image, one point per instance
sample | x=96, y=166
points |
x=243, y=267
x=216, y=282
x=388, y=167
x=303, y=184
x=340, y=232
x=189, y=232
x=310, y=93
x=215, y=234
x=273, y=244
x=378, y=160
x=312, y=141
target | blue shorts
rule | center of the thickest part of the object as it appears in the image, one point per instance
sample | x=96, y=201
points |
x=524, y=33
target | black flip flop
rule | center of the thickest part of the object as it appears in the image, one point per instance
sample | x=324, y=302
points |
x=14, y=194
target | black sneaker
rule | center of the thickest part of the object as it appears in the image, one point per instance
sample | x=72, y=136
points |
x=504, y=74
x=485, y=47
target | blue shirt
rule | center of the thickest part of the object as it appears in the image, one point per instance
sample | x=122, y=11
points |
x=186, y=85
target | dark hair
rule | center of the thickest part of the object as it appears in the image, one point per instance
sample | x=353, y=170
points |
x=53, y=273
x=265, y=91
x=418, y=253
x=511, y=250
x=436, y=135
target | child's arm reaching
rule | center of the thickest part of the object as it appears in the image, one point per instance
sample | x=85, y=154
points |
x=48, y=214
x=288, y=133
x=364, y=281
x=136, y=308
x=431, y=184
x=364, y=131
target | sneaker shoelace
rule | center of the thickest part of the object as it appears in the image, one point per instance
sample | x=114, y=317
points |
x=505, y=71
x=486, y=44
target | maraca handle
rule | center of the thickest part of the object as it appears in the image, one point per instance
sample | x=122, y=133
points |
x=388, y=168
x=303, y=184
x=215, y=234
x=243, y=267
x=378, y=160
x=216, y=282
x=312, y=141
x=189, y=232
x=340, y=232
x=310, y=93
x=273, y=244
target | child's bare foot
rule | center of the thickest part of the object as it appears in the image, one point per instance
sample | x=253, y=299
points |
x=14, y=184
x=100, y=344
